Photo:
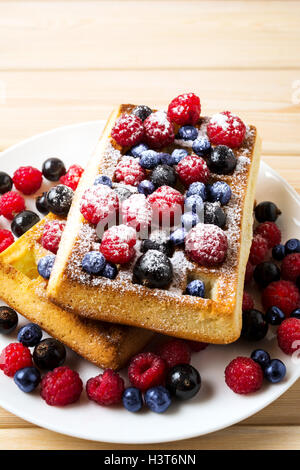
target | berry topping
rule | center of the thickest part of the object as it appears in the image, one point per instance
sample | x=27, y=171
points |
x=222, y=160
x=128, y=130
x=6, y=182
x=149, y=159
x=23, y=222
x=59, y=200
x=53, y=230
x=249, y=272
x=255, y=326
x=261, y=357
x=290, y=268
x=265, y=273
x=185, y=109
x=243, y=375
x=258, y=249
x=296, y=313
x=137, y=150
x=192, y=169
x=136, y=212
x=167, y=205
x=129, y=171
x=282, y=294
x=197, y=189
x=195, y=288
x=93, y=262
x=177, y=156
x=226, y=129
x=197, y=346
x=206, y=244
x=49, y=354
x=174, y=352
x=41, y=204
x=270, y=232
x=11, y=203
x=98, y=203
x=214, y=214
x=8, y=320
x=275, y=371
x=72, y=177
x=153, y=269
x=142, y=111
x=274, y=316
x=146, y=370
x=183, y=381
x=27, y=179
x=30, y=335
x=61, y=387
x=110, y=271
x=220, y=192
x=106, y=389
x=288, y=335
x=159, y=130
x=292, y=246
x=278, y=252
x=132, y=399
x=158, y=240
x=45, y=266
x=118, y=244
x=201, y=146
x=6, y=239
x=194, y=204
x=53, y=169
x=163, y=175
x=178, y=236
x=102, y=179
x=27, y=379
x=14, y=357
x=266, y=212
x=189, y=220
x=248, y=302
x=187, y=133
x=146, y=187
x=158, y=399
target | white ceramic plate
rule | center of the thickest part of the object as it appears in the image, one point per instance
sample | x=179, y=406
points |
x=216, y=406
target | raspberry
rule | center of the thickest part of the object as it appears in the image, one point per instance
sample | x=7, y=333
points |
x=6, y=239
x=167, y=205
x=128, y=130
x=248, y=303
x=243, y=375
x=192, y=169
x=11, y=203
x=52, y=235
x=136, y=212
x=258, y=249
x=146, y=370
x=290, y=268
x=197, y=346
x=61, y=387
x=118, y=244
x=226, y=129
x=27, y=179
x=106, y=389
x=14, y=357
x=282, y=294
x=175, y=352
x=206, y=244
x=288, y=335
x=129, y=171
x=185, y=109
x=72, y=177
x=249, y=272
x=98, y=203
x=159, y=131
x=270, y=232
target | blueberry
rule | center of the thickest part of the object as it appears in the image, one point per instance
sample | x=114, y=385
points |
x=278, y=252
x=183, y=381
x=149, y=159
x=292, y=246
x=158, y=241
x=274, y=316
x=158, y=399
x=261, y=357
x=59, y=200
x=178, y=155
x=166, y=159
x=178, y=236
x=93, y=262
x=6, y=183
x=103, y=179
x=195, y=288
x=220, y=192
x=132, y=399
x=201, y=146
x=27, y=379
x=23, y=222
x=137, y=150
x=41, y=204
x=122, y=191
x=8, y=320
x=30, y=335
x=163, y=175
x=266, y=211
x=146, y=187
x=142, y=111
x=254, y=327
x=187, y=133
x=194, y=204
x=199, y=189
x=296, y=313
x=221, y=160
x=189, y=220
x=153, y=269
x=214, y=214
x=275, y=371
x=45, y=266
x=53, y=169
x=49, y=354
x=265, y=273
x=110, y=271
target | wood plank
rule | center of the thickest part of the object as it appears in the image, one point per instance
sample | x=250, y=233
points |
x=104, y=35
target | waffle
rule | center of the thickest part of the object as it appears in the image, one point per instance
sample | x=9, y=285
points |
x=215, y=319
x=21, y=287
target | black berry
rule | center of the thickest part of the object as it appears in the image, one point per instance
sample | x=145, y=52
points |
x=53, y=169
x=214, y=214
x=41, y=204
x=153, y=269
x=142, y=111
x=23, y=222
x=183, y=381
x=266, y=211
x=266, y=272
x=158, y=241
x=8, y=320
x=222, y=160
x=6, y=182
x=254, y=325
x=163, y=175
x=49, y=354
x=59, y=199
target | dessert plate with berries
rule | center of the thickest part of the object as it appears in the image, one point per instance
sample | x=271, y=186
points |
x=174, y=389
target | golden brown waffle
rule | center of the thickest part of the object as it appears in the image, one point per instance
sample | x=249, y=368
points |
x=216, y=319
x=21, y=287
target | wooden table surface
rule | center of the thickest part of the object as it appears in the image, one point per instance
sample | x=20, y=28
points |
x=68, y=62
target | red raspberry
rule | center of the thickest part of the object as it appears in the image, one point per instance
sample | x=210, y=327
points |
x=61, y=387
x=248, y=303
x=249, y=272
x=175, y=351
x=192, y=169
x=270, y=232
x=14, y=357
x=167, y=205
x=11, y=203
x=290, y=268
x=146, y=370
x=72, y=177
x=226, y=129
x=129, y=171
x=98, y=203
x=197, y=346
x=53, y=230
x=258, y=250
x=106, y=389
x=288, y=335
x=136, y=212
x=6, y=239
x=159, y=130
x=282, y=294
x=118, y=244
x=128, y=130
x=206, y=244
x=185, y=109
x=27, y=179
x=243, y=375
